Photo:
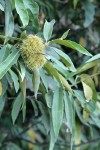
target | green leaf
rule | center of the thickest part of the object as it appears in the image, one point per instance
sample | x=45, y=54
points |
x=65, y=83
x=66, y=57
x=32, y=6
x=84, y=68
x=22, y=71
x=44, y=78
x=65, y=35
x=15, y=80
x=36, y=81
x=57, y=110
x=9, y=20
x=89, y=82
x=1, y=7
x=68, y=111
x=34, y=106
x=56, y=61
x=51, y=70
x=94, y=58
x=10, y=60
x=72, y=45
x=2, y=103
x=16, y=107
x=75, y=3
x=89, y=12
x=48, y=28
x=23, y=90
x=2, y=53
x=12, y=146
x=87, y=91
x=53, y=138
x=49, y=98
x=21, y=10
x=80, y=97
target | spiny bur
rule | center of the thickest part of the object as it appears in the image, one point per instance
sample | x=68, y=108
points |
x=33, y=52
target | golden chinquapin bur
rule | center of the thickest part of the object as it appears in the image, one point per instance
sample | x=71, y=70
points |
x=33, y=52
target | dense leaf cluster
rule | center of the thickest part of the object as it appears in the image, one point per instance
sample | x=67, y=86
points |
x=56, y=106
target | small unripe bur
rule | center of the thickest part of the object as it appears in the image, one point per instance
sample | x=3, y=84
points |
x=33, y=52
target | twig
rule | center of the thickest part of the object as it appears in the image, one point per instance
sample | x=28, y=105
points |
x=64, y=145
x=12, y=38
x=91, y=76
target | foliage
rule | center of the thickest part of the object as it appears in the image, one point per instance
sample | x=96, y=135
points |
x=55, y=106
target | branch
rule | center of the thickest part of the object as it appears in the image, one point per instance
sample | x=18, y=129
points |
x=91, y=76
x=64, y=145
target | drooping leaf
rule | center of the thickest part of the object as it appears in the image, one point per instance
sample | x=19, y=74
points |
x=22, y=11
x=53, y=138
x=45, y=116
x=23, y=91
x=87, y=91
x=10, y=60
x=0, y=88
x=22, y=71
x=36, y=81
x=9, y=20
x=2, y=103
x=57, y=110
x=65, y=83
x=49, y=98
x=48, y=28
x=89, y=12
x=16, y=107
x=15, y=80
x=2, y=53
x=68, y=111
x=34, y=106
x=72, y=45
x=32, y=6
x=51, y=70
x=44, y=78
x=80, y=97
x=88, y=81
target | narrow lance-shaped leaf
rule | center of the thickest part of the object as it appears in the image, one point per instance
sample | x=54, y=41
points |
x=57, y=110
x=68, y=111
x=51, y=70
x=16, y=107
x=72, y=45
x=23, y=90
x=10, y=60
x=0, y=88
x=94, y=58
x=65, y=34
x=15, y=80
x=44, y=78
x=36, y=81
